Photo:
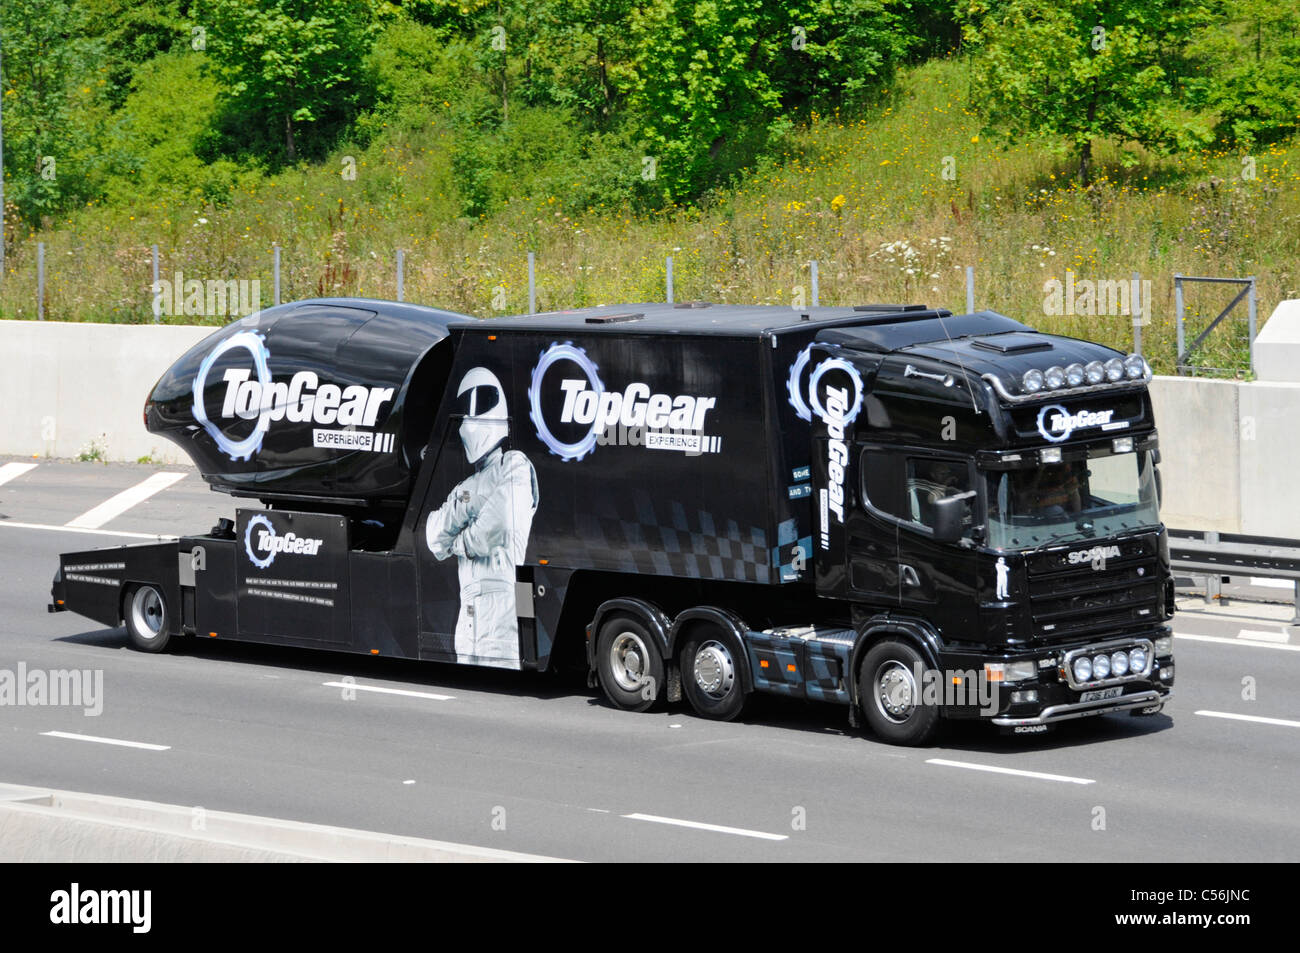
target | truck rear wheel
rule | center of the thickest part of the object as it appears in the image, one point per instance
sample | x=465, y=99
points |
x=146, y=618
x=711, y=674
x=630, y=665
x=890, y=695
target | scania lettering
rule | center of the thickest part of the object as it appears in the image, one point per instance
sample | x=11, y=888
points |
x=861, y=504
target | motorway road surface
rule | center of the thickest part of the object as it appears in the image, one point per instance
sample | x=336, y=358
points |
x=540, y=764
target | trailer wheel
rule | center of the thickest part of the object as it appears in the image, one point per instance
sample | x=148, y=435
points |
x=890, y=697
x=630, y=665
x=711, y=674
x=146, y=618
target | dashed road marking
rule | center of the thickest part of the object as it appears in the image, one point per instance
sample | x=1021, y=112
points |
x=106, y=741
x=389, y=691
x=1260, y=635
x=700, y=826
x=115, y=506
x=1238, y=641
x=1258, y=719
x=11, y=470
x=1042, y=776
x=89, y=532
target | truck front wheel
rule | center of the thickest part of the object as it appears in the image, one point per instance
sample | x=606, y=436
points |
x=711, y=676
x=146, y=618
x=890, y=681
x=630, y=665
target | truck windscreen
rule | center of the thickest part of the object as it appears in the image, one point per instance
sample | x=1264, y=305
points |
x=1102, y=496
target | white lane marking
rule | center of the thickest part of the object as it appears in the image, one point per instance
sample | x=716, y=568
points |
x=117, y=505
x=1259, y=635
x=1016, y=771
x=1223, y=641
x=1256, y=718
x=697, y=825
x=88, y=532
x=1271, y=583
x=11, y=470
x=389, y=691
x=106, y=741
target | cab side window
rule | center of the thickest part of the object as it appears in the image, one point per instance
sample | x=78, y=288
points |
x=930, y=480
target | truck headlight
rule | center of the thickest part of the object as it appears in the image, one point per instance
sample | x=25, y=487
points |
x=1032, y=382
x=1095, y=371
x=1115, y=369
x=1164, y=646
x=1137, y=659
x=1011, y=671
x=1055, y=377
x=1082, y=669
x=1101, y=666
x=1074, y=375
x=1119, y=664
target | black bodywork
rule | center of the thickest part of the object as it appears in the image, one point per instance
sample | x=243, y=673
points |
x=759, y=505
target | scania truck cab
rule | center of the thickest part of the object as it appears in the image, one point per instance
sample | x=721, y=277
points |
x=913, y=514
x=1000, y=506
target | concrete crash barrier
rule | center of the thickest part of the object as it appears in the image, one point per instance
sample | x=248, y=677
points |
x=68, y=385
x=46, y=825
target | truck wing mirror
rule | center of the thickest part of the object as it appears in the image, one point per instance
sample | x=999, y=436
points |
x=948, y=516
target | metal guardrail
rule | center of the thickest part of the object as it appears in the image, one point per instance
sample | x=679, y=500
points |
x=1215, y=555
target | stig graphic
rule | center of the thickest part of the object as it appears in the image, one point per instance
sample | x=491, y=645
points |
x=485, y=524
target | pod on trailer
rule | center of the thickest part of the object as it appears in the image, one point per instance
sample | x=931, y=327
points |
x=914, y=514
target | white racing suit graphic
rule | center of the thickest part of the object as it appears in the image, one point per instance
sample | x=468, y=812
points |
x=485, y=523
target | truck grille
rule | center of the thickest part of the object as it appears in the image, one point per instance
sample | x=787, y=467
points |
x=1071, y=600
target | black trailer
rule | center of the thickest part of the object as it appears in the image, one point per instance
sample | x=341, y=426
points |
x=912, y=513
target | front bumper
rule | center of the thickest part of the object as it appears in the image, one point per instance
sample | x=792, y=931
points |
x=1055, y=713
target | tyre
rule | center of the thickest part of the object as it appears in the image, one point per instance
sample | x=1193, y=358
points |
x=712, y=677
x=629, y=663
x=890, y=695
x=146, y=618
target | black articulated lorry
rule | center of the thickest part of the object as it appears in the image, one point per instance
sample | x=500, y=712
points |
x=914, y=514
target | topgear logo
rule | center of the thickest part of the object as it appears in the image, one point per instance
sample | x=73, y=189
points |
x=1061, y=423
x=835, y=395
x=587, y=403
x=252, y=394
x=270, y=543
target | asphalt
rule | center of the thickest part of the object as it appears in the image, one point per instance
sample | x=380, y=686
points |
x=539, y=764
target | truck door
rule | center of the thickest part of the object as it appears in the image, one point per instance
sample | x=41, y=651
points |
x=936, y=580
x=871, y=534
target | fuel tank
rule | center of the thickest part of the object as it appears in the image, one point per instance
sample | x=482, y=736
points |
x=326, y=400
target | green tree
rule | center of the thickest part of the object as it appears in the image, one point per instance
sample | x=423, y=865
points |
x=1075, y=71
x=1255, y=83
x=289, y=65
x=695, y=84
x=52, y=109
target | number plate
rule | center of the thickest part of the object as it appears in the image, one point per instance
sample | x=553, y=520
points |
x=1100, y=693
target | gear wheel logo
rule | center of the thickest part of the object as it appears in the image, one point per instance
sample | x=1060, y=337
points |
x=553, y=354
x=254, y=343
x=258, y=520
x=836, y=364
x=792, y=387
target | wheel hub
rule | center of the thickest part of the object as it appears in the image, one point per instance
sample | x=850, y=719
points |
x=714, y=670
x=896, y=694
x=146, y=607
x=627, y=660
